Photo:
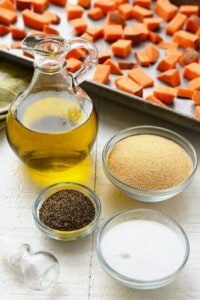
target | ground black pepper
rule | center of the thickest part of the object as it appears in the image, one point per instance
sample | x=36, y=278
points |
x=67, y=209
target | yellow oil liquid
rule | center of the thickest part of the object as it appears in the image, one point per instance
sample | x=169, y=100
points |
x=50, y=134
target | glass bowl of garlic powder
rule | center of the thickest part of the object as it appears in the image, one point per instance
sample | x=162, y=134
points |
x=149, y=163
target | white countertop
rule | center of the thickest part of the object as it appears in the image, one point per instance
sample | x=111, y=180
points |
x=81, y=276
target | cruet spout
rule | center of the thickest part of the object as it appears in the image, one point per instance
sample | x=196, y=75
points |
x=55, y=49
x=45, y=44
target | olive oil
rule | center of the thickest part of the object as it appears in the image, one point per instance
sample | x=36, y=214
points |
x=50, y=133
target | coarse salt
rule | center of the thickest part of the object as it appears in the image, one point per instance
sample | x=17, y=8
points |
x=143, y=250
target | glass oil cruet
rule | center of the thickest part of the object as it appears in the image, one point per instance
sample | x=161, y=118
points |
x=52, y=125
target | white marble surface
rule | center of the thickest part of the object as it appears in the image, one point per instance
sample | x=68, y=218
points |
x=81, y=276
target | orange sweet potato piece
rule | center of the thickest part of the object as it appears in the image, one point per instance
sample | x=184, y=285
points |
x=101, y=73
x=58, y=2
x=142, y=29
x=113, y=32
x=192, y=23
x=165, y=9
x=172, y=52
x=103, y=56
x=186, y=39
x=126, y=84
x=50, y=30
x=40, y=6
x=196, y=97
x=119, y=2
x=198, y=32
x=74, y=11
x=152, y=23
x=165, y=94
x=79, y=25
x=73, y=64
x=23, y=4
x=188, y=56
x=197, y=111
x=55, y=19
x=95, y=13
x=124, y=64
x=154, y=100
x=78, y=53
x=7, y=16
x=114, y=18
x=167, y=44
x=143, y=3
x=4, y=29
x=172, y=77
x=87, y=36
x=17, y=33
x=105, y=5
x=137, y=33
x=167, y=63
x=189, y=10
x=114, y=68
x=191, y=71
x=141, y=77
x=183, y=92
x=96, y=32
x=7, y=4
x=121, y=48
x=152, y=52
x=139, y=12
x=130, y=33
x=84, y=3
x=35, y=20
x=125, y=11
x=176, y=23
x=142, y=58
x=194, y=84
x=155, y=37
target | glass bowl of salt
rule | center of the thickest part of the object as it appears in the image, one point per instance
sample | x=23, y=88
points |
x=142, y=248
x=149, y=163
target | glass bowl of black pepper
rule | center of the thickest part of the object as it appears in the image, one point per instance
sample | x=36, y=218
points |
x=66, y=211
x=149, y=163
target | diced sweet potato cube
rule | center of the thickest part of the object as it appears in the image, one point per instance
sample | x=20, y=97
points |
x=191, y=71
x=141, y=77
x=113, y=32
x=164, y=94
x=172, y=77
x=183, y=92
x=101, y=73
x=121, y=48
x=165, y=9
x=186, y=39
x=154, y=100
x=194, y=84
x=126, y=84
x=176, y=23
x=152, y=52
x=73, y=64
x=139, y=13
x=189, y=10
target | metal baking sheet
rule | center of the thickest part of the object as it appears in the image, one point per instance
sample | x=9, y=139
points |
x=182, y=110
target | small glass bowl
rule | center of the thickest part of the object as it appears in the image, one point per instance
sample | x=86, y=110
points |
x=71, y=234
x=142, y=194
x=119, y=251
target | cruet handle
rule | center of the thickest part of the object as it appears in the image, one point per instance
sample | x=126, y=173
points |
x=90, y=60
